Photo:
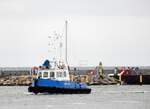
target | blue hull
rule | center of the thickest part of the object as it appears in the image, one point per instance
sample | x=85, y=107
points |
x=54, y=86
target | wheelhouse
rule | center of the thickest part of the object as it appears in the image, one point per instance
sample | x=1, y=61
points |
x=60, y=74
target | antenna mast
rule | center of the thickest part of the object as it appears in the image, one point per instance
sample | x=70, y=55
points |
x=66, y=24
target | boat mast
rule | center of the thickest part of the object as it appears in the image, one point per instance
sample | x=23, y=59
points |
x=66, y=24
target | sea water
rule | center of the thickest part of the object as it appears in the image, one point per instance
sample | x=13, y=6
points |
x=101, y=97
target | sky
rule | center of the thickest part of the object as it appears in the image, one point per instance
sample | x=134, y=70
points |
x=115, y=32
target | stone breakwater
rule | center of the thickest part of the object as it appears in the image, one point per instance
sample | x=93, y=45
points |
x=26, y=80
x=23, y=80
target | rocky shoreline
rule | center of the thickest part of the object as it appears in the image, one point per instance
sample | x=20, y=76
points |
x=23, y=80
x=26, y=80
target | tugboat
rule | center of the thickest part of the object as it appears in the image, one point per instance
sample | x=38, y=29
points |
x=53, y=78
x=57, y=80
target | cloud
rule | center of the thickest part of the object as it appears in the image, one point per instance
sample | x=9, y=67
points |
x=39, y=8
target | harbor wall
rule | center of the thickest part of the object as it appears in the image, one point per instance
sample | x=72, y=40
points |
x=14, y=71
x=23, y=75
x=6, y=71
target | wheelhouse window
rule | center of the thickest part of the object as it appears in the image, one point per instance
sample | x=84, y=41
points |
x=61, y=74
x=52, y=74
x=65, y=74
x=39, y=75
x=45, y=74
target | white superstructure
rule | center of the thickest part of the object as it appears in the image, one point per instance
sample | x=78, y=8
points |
x=56, y=72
